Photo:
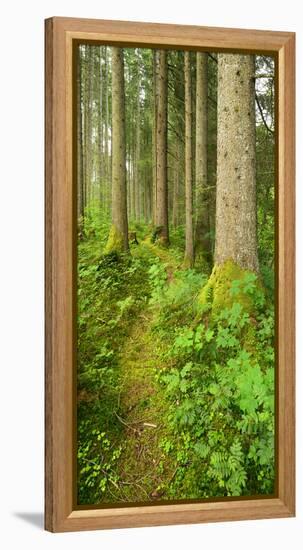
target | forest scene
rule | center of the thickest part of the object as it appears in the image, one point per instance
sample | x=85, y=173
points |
x=175, y=275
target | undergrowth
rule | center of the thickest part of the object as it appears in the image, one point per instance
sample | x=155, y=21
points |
x=220, y=389
x=214, y=381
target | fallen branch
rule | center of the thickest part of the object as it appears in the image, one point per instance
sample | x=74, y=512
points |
x=125, y=423
x=149, y=425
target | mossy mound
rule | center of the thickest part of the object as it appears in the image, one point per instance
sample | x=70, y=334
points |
x=230, y=284
x=115, y=241
x=216, y=295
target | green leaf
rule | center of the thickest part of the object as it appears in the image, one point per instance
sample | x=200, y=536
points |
x=209, y=335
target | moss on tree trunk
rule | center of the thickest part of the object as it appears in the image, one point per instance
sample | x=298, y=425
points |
x=216, y=295
x=115, y=241
x=236, y=257
x=219, y=294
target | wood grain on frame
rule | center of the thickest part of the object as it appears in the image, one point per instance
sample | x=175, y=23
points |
x=60, y=512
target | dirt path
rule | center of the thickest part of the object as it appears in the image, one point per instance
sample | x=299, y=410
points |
x=143, y=465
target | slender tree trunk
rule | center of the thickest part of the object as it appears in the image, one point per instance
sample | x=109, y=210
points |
x=133, y=184
x=236, y=215
x=189, y=237
x=148, y=178
x=154, y=136
x=128, y=181
x=180, y=128
x=80, y=176
x=138, y=147
x=100, y=130
x=106, y=132
x=89, y=145
x=162, y=191
x=149, y=197
x=85, y=124
x=202, y=241
x=176, y=183
x=118, y=239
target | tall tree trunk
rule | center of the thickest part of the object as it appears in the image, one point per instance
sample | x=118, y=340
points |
x=236, y=215
x=138, y=146
x=89, y=144
x=202, y=240
x=189, y=238
x=154, y=136
x=84, y=75
x=80, y=173
x=162, y=191
x=106, y=132
x=128, y=181
x=133, y=184
x=175, y=214
x=118, y=239
x=100, y=129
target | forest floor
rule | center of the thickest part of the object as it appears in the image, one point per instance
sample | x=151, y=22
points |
x=170, y=403
x=141, y=461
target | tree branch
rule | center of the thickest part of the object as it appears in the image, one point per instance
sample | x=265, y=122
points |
x=262, y=116
x=213, y=58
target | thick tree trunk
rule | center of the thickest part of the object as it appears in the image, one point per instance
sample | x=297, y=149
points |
x=118, y=239
x=189, y=238
x=162, y=192
x=236, y=216
x=202, y=241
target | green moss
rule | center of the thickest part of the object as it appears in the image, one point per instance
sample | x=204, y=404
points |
x=115, y=241
x=249, y=340
x=163, y=241
x=158, y=236
x=215, y=295
x=187, y=263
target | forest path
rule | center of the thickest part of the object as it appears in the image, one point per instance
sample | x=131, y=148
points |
x=142, y=468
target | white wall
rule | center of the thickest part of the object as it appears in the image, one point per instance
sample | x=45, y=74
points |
x=21, y=287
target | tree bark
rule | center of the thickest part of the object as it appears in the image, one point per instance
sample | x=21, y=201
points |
x=202, y=241
x=154, y=134
x=85, y=107
x=89, y=144
x=175, y=213
x=80, y=172
x=189, y=238
x=107, y=159
x=138, y=146
x=100, y=129
x=133, y=183
x=236, y=215
x=118, y=239
x=161, y=125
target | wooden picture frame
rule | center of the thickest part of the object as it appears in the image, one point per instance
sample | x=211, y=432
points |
x=61, y=513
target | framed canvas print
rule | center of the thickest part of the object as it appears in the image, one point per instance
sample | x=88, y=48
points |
x=169, y=274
